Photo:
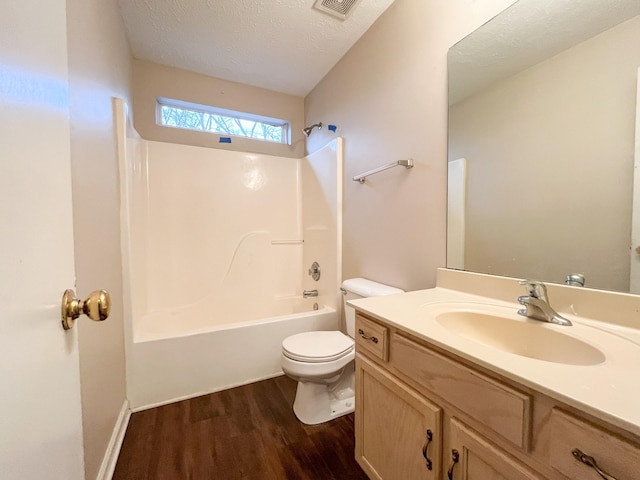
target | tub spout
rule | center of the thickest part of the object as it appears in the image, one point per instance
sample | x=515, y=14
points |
x=309, y=293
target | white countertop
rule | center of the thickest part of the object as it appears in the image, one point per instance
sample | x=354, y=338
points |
x=609, y=390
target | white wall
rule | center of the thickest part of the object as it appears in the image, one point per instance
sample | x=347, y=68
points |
x=388, y=97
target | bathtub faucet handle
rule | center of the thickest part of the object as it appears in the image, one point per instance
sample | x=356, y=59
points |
x=309, y=293
x=314, y=271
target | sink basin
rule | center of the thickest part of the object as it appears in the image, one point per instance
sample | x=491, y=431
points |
x=520, y=336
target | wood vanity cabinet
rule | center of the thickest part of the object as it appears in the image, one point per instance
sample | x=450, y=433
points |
x=422, y=413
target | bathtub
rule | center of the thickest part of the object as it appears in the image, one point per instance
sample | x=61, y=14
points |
x=189, y=351
x=218, y=313
x=214, y=257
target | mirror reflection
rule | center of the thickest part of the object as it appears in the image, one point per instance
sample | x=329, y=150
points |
x=542, y=114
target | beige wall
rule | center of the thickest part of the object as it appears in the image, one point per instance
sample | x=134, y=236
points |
x=388, y=97
x=550, y=165
x=99, y=64
x=151, y=81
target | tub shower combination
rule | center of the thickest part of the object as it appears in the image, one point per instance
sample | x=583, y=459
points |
x=217, y=247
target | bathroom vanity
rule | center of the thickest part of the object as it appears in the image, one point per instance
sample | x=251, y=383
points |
x=451, y=383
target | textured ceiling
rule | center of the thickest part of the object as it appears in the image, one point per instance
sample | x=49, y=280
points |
x=527, y=33
x=282, y=45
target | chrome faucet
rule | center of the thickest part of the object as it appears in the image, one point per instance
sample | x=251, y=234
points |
x=309, y=293
x=537, y=303
x=575, y=280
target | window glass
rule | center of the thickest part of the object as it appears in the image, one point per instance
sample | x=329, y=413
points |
x=178, y=114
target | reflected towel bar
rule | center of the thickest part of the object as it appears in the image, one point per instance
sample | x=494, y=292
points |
x=287, y=242
x=399, y=163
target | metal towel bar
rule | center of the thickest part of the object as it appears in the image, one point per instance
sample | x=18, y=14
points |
x=400, y=163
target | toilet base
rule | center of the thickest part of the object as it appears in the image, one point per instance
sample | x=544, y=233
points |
x=318, y=403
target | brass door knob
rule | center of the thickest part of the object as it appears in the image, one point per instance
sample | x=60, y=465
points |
x=97, y=307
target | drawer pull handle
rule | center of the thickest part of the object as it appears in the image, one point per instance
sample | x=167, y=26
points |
x=590, y=462
x=425, y=447
x=455, y=457
x=373, y=339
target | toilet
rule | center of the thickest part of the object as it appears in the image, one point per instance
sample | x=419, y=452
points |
x=323, y=362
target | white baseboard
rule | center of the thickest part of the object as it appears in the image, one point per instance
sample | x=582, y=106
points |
x=113, y=449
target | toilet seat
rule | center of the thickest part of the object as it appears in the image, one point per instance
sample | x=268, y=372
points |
x=317, y=347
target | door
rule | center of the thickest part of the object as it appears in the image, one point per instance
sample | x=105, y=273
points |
x=398, y=432
x=635, y=209
x=472, y=457
x=40, y=414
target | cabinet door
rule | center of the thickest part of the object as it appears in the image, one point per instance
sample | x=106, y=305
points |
x=474, y=458
x=398, y=432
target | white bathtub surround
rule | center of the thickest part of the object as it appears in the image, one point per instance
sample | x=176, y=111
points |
x=213, y=248
x=322, y=219
x=212, y=217
x=605, y=387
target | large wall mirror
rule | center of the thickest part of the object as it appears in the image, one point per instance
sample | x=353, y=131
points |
x=542, y=114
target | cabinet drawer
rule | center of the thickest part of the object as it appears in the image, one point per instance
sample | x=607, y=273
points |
x=613, y=455
x=504, y=410
x=372, y=337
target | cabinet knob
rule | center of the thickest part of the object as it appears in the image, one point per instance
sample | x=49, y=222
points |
x=455, y=458
x=590, y=462
x=429, y=438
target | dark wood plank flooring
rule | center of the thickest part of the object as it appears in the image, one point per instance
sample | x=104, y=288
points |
x=245, y=433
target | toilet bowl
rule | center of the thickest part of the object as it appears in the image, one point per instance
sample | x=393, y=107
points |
x=323, y=362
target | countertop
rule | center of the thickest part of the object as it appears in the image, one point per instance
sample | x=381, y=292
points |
x=609, y=390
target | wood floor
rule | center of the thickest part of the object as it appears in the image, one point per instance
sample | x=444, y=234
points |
x=246, y=433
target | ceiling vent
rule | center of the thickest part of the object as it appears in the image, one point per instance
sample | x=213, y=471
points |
x=337, y=8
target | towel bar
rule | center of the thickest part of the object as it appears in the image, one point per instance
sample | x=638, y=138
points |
x=400, y=163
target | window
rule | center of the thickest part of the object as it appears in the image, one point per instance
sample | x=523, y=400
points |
x=178, y=114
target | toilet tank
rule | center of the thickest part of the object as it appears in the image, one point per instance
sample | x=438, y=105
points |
x=361, y=288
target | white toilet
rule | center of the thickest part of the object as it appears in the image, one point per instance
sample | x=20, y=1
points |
x=323, y=362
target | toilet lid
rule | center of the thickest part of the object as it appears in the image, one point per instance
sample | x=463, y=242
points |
x=316, y=347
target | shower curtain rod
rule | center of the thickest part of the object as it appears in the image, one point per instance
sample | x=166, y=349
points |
x=400, y=163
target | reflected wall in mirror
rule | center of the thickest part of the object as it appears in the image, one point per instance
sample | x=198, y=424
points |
x=542, y=105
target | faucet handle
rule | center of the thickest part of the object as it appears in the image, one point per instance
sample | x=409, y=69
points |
x=575, y=280
x=535, y=288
